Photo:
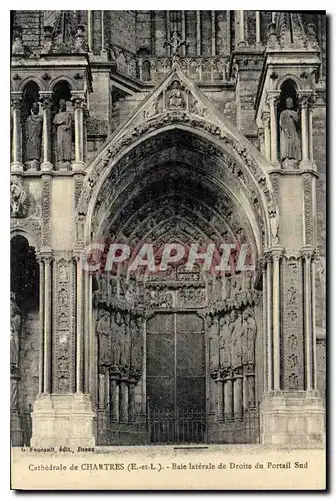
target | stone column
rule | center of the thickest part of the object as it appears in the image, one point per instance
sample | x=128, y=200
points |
x=258, y=40
x=16, y=101
x=228, y=31
x=313, y=305
x=276, y=255
x=183, y=32
x=238, y=394
x=198, y=33
x=102, y=32
x=267, y=135
x=131, y=401
x=273, y=99
x=168, y=32
x=79, y=325
x=41, y=318
x=220, y=399
x=310, y=125
x=308, y=253
x=47, y=258
x=123, y=410
x=114, y=402
x=269, y=323
x=304, y=132
x=78, y=100
x=228, y=399
x=46, y=99
x=89, y=30
x=241, y=40
x=213, y=32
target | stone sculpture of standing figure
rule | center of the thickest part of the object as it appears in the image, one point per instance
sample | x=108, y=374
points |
x=33, y=130
x=103, y=330
x=15, y=323
x=289, y=135
x=63, y=122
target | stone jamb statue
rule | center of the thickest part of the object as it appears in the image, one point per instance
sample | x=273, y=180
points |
x=63, y=123
x=289, y=136
x=33, y=133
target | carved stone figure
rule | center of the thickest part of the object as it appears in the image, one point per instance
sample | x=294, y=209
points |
x=176, y=98
x=63, y=273
x=236, y=333
x=63, y=297
x=19, y=201
x=136, y=345
x=125, y=344
x=289, y=133
x=244, y=337
x=225, y=344
x=251, y=336
x=118, y=334
x=228, y=287
x=33, y=129
x=15, y=323
x=63, y=122
x=103, y=331
x=175, y=43
x=248, y=280
x=236, y=284
x=212, y=325
x=62, y=321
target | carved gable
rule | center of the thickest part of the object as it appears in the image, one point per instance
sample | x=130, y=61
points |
x=175, y=93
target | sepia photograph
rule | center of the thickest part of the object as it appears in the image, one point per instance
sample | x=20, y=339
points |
x=168, y=249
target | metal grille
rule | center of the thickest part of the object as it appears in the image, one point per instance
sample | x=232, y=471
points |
x=177, y=426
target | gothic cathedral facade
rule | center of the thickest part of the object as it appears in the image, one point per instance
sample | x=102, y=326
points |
x=168, y=127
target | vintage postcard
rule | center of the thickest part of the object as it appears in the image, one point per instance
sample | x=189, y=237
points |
x=168, y=231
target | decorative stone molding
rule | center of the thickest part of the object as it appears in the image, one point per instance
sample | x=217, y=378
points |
x=308, y=208
x=136, y=128
x=292, y=340
x=46, y=194
x=63, y=307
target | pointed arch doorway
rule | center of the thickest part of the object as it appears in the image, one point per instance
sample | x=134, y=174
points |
x=155, y=202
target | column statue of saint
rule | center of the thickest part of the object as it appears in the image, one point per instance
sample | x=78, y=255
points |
x=289, y=135
x=63, y=123
x=15, y=324
x=33, y=131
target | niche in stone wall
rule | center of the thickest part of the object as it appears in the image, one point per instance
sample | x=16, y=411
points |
x=61, y=94
x=25, y=327
x=289, y=140
x=31, y=120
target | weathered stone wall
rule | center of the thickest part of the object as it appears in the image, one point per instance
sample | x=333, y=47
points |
x=143, y=30
x=31, y=22
x=123, y=29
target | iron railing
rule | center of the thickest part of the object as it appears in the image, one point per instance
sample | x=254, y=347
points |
x=167, y=426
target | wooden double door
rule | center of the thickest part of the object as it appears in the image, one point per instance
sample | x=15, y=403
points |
x=175, y=377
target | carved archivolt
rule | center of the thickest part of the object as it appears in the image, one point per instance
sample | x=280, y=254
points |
x=175, y=112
